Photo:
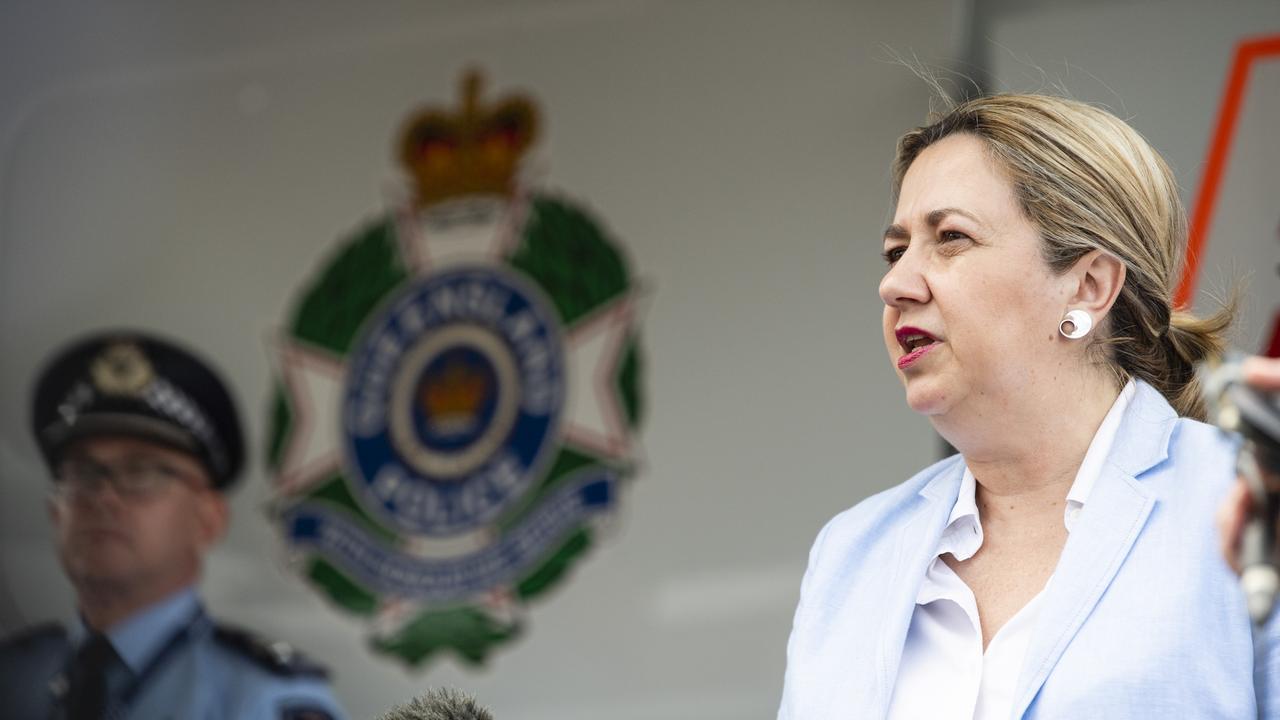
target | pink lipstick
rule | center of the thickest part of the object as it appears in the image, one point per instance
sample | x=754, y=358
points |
x=915, y=342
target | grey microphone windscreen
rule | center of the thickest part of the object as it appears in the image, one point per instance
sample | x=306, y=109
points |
x=439, y=704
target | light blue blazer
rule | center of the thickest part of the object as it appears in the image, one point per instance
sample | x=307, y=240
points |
x=1141, y=619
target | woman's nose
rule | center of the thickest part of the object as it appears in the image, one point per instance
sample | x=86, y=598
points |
x=904, y=283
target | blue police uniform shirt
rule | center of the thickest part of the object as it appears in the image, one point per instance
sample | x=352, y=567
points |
x=203, y=673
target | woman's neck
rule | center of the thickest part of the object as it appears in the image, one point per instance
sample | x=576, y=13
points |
x=1025, y=451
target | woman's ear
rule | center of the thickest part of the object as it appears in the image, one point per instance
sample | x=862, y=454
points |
x=1099, y=277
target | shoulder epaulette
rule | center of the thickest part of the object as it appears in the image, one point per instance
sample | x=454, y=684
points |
x=278, y=658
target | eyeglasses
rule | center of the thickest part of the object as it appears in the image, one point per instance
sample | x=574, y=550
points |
x=82, y=477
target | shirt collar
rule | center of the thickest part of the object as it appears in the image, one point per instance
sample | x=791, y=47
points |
x=140, y=636
x=963, y=535
x=1099, y=449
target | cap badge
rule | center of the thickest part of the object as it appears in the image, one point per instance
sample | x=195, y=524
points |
x=121, y=369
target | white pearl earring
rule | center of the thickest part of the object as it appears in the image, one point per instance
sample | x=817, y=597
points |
x=1076, y=325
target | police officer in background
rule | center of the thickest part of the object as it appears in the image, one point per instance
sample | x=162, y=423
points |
x=142, y=439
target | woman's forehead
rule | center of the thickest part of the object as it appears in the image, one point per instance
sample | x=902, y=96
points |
x=956, y=172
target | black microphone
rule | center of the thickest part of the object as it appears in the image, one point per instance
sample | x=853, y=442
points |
x=1255, y=414
x=439, y=704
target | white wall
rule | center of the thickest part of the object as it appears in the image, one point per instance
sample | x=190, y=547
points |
x=186, y=169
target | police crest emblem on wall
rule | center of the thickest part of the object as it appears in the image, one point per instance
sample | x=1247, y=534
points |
x=458, y=393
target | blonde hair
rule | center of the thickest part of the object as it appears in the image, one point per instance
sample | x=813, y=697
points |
x=1089, y=181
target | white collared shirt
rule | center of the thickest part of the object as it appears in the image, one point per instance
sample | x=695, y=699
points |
x=944, y=672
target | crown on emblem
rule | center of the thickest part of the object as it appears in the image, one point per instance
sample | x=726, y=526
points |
x=452, y=399
x=475, y=151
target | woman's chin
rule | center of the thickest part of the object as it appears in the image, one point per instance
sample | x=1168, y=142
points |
x=926, y=397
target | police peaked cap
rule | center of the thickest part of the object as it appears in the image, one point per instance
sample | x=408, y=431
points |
x=135, y=384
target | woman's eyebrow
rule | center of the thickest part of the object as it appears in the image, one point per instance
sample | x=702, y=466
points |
x=933, y=219
x=896, y=232
x=937, y=216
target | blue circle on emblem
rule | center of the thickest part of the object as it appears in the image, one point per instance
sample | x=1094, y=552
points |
x=452, y=399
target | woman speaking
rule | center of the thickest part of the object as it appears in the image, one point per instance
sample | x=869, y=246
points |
x=1065, y=563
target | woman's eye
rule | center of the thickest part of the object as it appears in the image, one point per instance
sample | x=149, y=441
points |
x=952, y=235
x=893, y=254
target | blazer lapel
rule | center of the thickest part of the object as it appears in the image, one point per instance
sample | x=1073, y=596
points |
x=918, y=546
x=1112, y=520
x=1093, y=554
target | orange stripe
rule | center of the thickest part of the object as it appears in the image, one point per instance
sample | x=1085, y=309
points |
x=1246, y=53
